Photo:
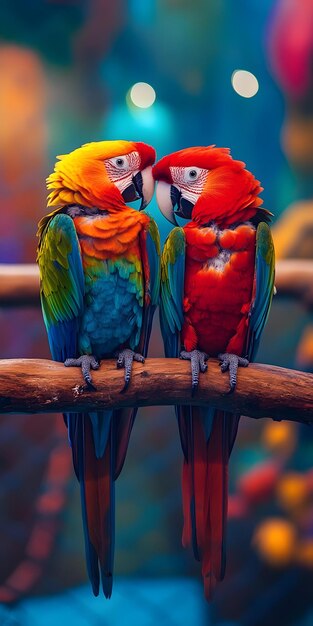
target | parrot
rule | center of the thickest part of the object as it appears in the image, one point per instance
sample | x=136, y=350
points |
x=217, y=282
x=99, y=265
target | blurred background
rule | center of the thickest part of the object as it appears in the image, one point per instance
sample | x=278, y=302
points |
x=236, y=73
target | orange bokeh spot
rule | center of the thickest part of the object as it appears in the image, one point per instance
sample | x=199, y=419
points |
x=275, y=541
x=280, y=436
x=292, y=491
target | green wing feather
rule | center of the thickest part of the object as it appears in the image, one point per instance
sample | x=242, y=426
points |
x=154, y=254
x=172, y=290
x=263, y=288
x=151, y=251
x=61, y=283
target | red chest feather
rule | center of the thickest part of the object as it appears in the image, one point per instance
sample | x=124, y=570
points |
x=218, y=287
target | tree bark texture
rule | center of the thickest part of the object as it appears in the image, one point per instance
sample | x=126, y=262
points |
x=34, y=385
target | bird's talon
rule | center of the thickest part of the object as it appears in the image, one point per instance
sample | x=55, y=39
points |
x=90, y=386
x=198, y=364
x=86, y=362
x=125, y=359
x=126, y=385
x=243, y=362
x=231, y=362
x=194, y=387
x=139, y=358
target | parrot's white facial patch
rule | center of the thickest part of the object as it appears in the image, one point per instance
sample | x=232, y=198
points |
x=147, y=184
x=190, y=181
x=163, y=197
x=121, y=169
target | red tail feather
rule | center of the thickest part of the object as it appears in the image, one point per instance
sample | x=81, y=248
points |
x=186, y=492
x=99, y=503
x=205, y=488
x=215, y=503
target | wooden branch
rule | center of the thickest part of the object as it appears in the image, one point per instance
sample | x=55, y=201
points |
x=19, y=285
x=33, y=386
x=295, y=277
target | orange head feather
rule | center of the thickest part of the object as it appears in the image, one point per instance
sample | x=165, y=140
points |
x=91, y=175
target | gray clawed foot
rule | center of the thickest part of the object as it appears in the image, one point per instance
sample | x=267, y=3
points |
x=231, y=362
x=86, y=362
x=198, y=362
x=125, y=359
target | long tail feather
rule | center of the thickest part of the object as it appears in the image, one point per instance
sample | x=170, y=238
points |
x=207, y=440
x=123, y=424
x=99, y=444
x=192, y=533
x=91, y=439
x=98, y=485
x=215, y=503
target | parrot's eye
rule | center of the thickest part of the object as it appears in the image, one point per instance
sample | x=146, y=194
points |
x=120, y=162
x=191, y=174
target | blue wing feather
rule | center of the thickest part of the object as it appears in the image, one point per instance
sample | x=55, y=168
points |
x=172, y=291
x=263, y=288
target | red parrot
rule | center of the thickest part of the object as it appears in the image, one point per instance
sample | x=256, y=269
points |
x=217, y=281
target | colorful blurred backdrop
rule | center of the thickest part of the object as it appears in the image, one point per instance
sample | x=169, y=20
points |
x=235, y=73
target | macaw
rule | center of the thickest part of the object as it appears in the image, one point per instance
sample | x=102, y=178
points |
x=217, y=281
x=99, y=264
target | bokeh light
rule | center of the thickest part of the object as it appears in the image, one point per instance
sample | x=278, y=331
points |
x=142, y=95
x=275, y=541
x=244, y=83
x=279, y=437
x=292, y=491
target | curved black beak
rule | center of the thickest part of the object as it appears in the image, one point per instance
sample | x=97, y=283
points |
x=185, y=207
x=142, y=186
x=169, y=197
x=134, y=190
x=138, y=182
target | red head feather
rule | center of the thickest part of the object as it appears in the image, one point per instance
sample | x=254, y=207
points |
x=147, y=154
x=230, y=193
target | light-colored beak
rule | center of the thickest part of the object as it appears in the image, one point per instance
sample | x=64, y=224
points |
x=164, y=200
x=147, y=186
